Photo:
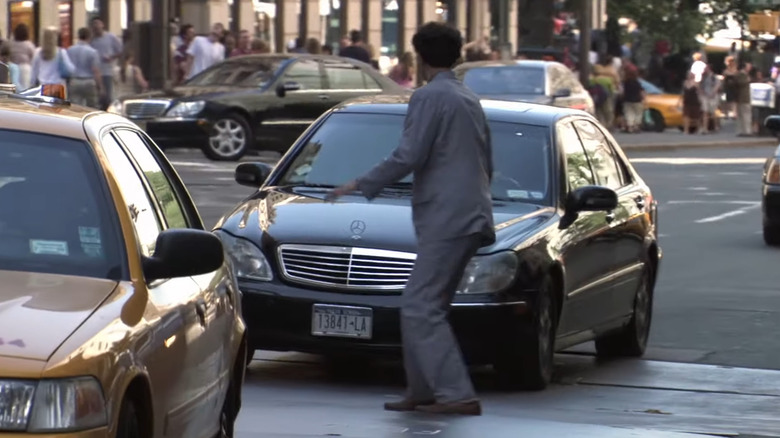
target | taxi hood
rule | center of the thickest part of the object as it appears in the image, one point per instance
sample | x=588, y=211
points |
x=38, y=312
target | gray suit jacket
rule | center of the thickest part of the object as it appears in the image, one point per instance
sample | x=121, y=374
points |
x=446, y=144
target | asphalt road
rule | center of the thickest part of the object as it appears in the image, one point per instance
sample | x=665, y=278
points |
x=717, y=302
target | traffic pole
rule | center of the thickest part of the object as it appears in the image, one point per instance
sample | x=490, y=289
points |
x=586, y=25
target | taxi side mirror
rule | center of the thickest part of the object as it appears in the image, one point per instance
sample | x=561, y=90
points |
x=252, y=174
x=183, y=252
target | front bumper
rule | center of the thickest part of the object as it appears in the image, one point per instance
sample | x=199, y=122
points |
x=177, y=132
x=770, y=204
x=279, y=317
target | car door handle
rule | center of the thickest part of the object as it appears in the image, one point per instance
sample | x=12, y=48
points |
x=324, y=97
x=200, y=310
x=640, y=202
x=610, y=217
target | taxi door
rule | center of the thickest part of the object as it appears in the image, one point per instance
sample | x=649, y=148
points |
x=175, y=343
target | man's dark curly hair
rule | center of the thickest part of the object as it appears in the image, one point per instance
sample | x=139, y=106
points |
x=439, y=45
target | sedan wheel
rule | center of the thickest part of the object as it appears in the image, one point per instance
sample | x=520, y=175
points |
x=229, y=140
x=771, y=235
x=631, y=340
x=227, y=418
x=128, y=426
x=528, y=361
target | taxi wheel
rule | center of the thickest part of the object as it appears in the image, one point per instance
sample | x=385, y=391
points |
x=771, y=235
x=227, y=418
x=631, y=340
x=230, y=138
x=528, y=361
x=658, y=123
x=128, y=426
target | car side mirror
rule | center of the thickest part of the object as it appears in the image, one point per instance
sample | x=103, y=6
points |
x=182, y=252
x=252, y=174
x=563, y=92
x=772, y=123
x=591, y=198
x=283, y=88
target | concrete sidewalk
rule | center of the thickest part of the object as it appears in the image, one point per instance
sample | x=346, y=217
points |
x=675, y=139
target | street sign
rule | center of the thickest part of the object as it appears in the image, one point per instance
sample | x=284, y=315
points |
x=764, y=2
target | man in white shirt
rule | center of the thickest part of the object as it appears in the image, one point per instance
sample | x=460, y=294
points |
x=205, y=51
x=698, y=66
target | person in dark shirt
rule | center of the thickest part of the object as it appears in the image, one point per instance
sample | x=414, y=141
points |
x=356, y=50
x=633, y=100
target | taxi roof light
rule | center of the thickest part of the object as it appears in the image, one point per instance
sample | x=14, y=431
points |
x=56, y=91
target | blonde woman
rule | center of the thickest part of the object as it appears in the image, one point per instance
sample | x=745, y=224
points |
x=51, y=64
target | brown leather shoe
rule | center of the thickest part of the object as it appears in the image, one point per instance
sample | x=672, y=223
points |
x=407, y=405
x=455, y=408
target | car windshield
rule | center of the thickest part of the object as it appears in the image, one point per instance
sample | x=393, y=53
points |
x=505, y=80
x=251, y=72
x=650, y=88
x=54, y=213
x=347, y=145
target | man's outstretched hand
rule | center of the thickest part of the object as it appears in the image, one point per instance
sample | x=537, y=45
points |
x=341, y=191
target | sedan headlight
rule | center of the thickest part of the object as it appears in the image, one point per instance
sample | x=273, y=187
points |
x=489, y=273
x=248, y=261
x=56, y=405
x=773, y=172
x=116, y=107
x=186, y=109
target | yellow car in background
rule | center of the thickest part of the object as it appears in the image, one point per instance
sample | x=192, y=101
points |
x=120, y=316
x=665, y=109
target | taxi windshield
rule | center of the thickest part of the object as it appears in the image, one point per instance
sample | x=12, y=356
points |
x=54, y=210
x=339, y=151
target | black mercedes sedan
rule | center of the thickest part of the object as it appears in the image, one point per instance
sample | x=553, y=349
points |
x=251, y=102
x=770, y=197
x=575, y=258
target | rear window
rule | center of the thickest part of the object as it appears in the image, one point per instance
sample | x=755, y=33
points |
x=347, y=145
x=54, y=211
x=505, y=80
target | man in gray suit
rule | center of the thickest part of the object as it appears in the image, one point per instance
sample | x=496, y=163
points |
x=446, y=145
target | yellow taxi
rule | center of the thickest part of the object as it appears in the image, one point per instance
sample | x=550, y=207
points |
x=119, y=314
x=665, y=109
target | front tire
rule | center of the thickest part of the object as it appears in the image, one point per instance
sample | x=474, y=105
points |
x=658, y=123
x=631, y=340
x=528, y=361
x=771, y=235
x=128, y=425
x=230, y=138
x=227, y=418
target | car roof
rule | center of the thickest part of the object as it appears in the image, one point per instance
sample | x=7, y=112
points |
x=495, y=110
x=288, y=56
x=532, y=63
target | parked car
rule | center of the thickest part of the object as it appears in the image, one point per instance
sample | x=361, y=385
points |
x=575, y=258
x=546, y=82
x=251, y=102
x=666, y=109
x=770, y=199
x=119, y=314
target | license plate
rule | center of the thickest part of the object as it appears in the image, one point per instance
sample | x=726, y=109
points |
x=342, y=321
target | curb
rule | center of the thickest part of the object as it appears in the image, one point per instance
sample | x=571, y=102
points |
x=764, y=142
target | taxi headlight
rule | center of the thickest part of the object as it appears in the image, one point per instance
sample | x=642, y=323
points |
x=773, y=172
x=489, y=273
x=57, y=405
x=248, y=261
x=116, y=107
x=185, y=109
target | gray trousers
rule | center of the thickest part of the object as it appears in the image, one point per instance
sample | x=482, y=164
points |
x=744, y=118
x=432, y=358
x=83, y=92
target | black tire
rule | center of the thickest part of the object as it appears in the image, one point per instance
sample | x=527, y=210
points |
x=230, y=138
x=128, y=425
x=771, y=235
x=227, y=417
x=631, y=340
x=527, y=362
x=250, y=355
x=658, y=124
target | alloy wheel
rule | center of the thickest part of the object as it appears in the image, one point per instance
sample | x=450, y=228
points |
x=228, y=137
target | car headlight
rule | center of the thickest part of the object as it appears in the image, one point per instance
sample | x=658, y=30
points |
x=56, y=405
x=248, y=261
x=773, y=172
x=186, y=109
x=116, y=107
x=489, y=273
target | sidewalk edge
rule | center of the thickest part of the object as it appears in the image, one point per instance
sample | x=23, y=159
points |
x=764, y=142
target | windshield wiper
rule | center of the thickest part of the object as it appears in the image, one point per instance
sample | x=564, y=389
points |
x=308, y=186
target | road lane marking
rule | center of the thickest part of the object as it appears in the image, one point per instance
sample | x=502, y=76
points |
x=698, y=189
x=714, y=194
x=732, y=213
x=685, y=161
x=698, y=201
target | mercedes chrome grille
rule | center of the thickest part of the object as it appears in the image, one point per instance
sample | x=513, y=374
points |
x=346, y=267
x=145, y=109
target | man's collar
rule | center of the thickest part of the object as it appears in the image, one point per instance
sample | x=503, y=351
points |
x=443, y=75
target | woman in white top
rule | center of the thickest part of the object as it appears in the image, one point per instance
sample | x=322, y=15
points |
x=51, y=64
x=22, y=53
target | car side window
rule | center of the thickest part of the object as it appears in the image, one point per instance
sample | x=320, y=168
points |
x=305, y=72
x=578, y=167
x=555, y=78
x=139, y=204
x=600, y=154
x=348, y=77
x=167, y=201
